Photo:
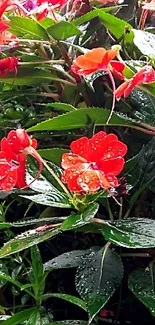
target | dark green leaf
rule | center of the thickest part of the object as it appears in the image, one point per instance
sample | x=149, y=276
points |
x=79, y=119
x=74, y=300
x=133, y=232
x=142, y=284
x=25, y=240
x=63, y=30
x=97, y=279
x=35, y=318
x=55, y=199
x=8, y=278
x=68, y=260
x=62, y=106
x=69, y=322
x=78, y=220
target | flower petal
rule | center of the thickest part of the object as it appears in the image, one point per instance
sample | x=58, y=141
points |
x=114, y=149
x=97, y=145
x=71, y=175
x=109, y=55
x=108, y=181
x=70, y=160
x=21, y=175
x=9, y=182
x=111, y=166
x=89, y=181
x=117, y=69
x=81, y=147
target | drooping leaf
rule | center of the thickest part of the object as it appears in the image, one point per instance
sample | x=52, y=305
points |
x=55, y=199
x=97, y=279
x=79, y=119
x=26, y=240
x=133, y=232
x=27, y=28
x=74, y=300
x=142, y=284
x=78, y=220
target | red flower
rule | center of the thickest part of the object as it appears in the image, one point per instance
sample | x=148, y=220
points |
x=56, y=3
x=94, y=163
x=3, y=26
x=145, y=75
x=98, y=59
x=10, y=64
x=13, y=159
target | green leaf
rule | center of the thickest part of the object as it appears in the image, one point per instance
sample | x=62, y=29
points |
x=133, y=232
x=79, y=119
x=143, y=106
x=69, y=322
x=90, y=15
x=26, y=240
x=78, y=220
x=8, y=278
x=37, y=277
x=53, y=154
x=74, y=300
x=3, y=270
x=63, y=30
x=145, y=42
x=27, y=27
x=142, y=284
x=68, y=260
x=35, y=318
x=28, y=76
x=55, y=199
x=62, y=106
x=20, y=317
x=97, y=279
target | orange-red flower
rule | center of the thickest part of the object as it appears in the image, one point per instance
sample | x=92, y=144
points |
x=94, y=163
x=145, y=75
x=13, y=159
x=8, y=64
x=98, y=59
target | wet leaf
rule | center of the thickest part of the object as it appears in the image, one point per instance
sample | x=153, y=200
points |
x=145, y=42
x=78, y=220
x=25, y=240
x=72, y=299
x=69, y=259
x=20, y=317
x=133, y=232
x=97, y=279
x=142, y=284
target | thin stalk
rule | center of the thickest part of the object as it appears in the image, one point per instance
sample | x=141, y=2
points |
x=42, y=62
x=121, y=209
x=135, y=255
x=113, y=98
x=109, y=211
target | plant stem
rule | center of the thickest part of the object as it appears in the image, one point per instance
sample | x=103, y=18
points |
x=121, y=209
x=109, y=211
x=113, y=98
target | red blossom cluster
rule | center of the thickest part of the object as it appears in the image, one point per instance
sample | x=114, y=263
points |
x=13, y=159
x=94, y=163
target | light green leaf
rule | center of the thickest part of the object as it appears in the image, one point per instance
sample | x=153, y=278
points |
x=79, y=119
x=28, y=28
x=63, y=30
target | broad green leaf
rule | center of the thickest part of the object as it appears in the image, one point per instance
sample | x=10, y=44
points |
x=26, y=240
x=35, y=318
x=27, y=27
x=145, y=42
x=142, y=284
x=37, y=277
x=74, y=300
x=133, y=232
x=97, y=278
x=63, y=30
x=78, y=220
x=28, y=76
x=90, y=15
x=79, y=119
x=116, y=26
x=68, y=260
x=55, y=199
x=53, y=154
x=19, y=318
x=62, y=106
